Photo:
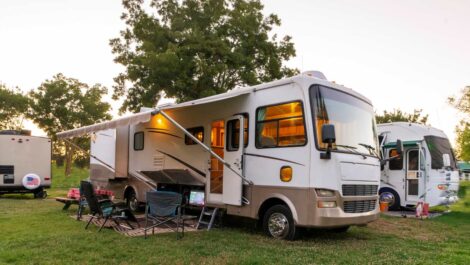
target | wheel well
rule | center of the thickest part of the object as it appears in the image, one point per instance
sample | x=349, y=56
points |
x=128, y=190
x=268, y=204
x=387, y=188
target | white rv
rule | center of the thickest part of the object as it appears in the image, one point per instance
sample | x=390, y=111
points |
x=25, y=163
x=298, y=152
x=426, y=170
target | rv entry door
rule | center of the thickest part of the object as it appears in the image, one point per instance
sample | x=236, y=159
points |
x=414, y=175
x=233, y=154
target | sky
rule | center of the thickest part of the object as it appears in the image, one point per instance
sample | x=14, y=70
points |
x=400, y=54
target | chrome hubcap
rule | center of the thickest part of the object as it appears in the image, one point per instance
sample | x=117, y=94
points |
x=278, y=225
x=133, y=203
x=387, y=197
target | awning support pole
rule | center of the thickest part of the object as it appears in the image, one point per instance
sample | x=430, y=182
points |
x=146, y=180
x=205, y=147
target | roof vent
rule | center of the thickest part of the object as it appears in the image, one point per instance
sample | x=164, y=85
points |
x=315, y=74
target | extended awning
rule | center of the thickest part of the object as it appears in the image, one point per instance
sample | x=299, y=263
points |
x=124, y=121
x=147, y=115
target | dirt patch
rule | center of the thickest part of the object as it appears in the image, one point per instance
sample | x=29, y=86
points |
x=408, y=228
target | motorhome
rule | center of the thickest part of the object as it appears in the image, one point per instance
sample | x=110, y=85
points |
x=297, y=152
x=426, y=171
x=25, y=163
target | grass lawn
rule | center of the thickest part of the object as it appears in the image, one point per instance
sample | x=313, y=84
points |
x=39, y=232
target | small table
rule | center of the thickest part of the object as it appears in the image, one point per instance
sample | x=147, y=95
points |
x=66, y=201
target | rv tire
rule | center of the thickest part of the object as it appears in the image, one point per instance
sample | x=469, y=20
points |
x=40, y=194
x=279, y=223
x=395, y=205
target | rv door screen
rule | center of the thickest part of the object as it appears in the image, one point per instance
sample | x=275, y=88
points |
x=233, y=154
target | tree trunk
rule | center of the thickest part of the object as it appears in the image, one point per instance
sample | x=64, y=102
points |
x=68, y=159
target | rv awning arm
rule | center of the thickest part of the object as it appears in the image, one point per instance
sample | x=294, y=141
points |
x=148, y=181
x=205, y=147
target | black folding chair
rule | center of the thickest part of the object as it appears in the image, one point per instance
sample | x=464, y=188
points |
x=103, y=208
x=163, y=208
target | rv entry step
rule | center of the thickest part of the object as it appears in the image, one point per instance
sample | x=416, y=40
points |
x=207, y=218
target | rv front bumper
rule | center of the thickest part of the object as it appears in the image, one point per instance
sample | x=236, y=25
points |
x=358, y=210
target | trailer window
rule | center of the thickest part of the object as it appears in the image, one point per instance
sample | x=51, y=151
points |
x=280, y=125
x=233, y=134
x=197, y=132
x=397, y=163
x=139, y=141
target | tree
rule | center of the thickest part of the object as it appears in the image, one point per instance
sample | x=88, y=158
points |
x=462, y=103
x=398, y=115
x=194, y=48
x=13, y=105
x=65, y=103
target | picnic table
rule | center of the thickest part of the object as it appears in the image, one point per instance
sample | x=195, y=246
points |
x=74, y=197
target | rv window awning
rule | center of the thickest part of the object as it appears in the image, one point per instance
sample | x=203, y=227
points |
x=146, y=116
x=124, y=121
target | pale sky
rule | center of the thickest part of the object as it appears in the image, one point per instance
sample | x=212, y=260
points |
x=400, y=54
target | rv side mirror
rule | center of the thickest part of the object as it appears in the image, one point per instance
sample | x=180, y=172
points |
x=327, y=137
x=399, y=147
x=328, y=134
x=446, y=160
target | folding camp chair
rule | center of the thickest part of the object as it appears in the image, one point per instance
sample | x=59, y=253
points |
x=103, y=208
x=163, y=208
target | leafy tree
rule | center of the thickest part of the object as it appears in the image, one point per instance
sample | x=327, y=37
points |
x=398, y=115
x=193, y=48
x=13, y=106
x=462, y=103
x=65, y=103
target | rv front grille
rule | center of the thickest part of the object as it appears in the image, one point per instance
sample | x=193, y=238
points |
x=7, y=170
x=359, y=206
x=359, y=190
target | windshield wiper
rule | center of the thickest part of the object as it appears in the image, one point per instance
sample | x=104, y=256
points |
x=371, y=149
x=351, y=148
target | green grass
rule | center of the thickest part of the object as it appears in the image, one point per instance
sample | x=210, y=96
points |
x=39, y=232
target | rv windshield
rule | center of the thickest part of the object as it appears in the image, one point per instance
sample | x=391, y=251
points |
x=352, y=117
x=437, y=147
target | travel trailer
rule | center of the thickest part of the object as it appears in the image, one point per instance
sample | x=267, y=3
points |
x=25, y=163
x=298, y=152
x=426, y=171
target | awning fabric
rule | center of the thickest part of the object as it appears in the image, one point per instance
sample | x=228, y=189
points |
x=124, y=121
x=147, y=115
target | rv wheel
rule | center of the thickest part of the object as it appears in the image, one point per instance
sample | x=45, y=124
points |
x=391, y=197
x=40, y=194
x=278, y=223
x=131, y=200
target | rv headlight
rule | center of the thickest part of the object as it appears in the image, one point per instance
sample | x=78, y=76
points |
x=325, y=193
x=322, y=204
x=442, y=187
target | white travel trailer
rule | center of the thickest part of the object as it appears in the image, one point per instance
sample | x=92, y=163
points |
x=298, y=152
x=25, y=163
x=426, y=171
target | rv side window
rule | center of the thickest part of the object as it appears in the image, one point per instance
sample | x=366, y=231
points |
x=197, y=132
x=139, y=141
x=397, y=163
x=233, y=135
x=280, y=125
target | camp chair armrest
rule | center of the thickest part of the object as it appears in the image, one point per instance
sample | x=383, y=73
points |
x=104, y=200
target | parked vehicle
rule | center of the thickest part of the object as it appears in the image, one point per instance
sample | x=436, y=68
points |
x=298, y=152
x=464, y=170
x=25, y=163
x=426, y=171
